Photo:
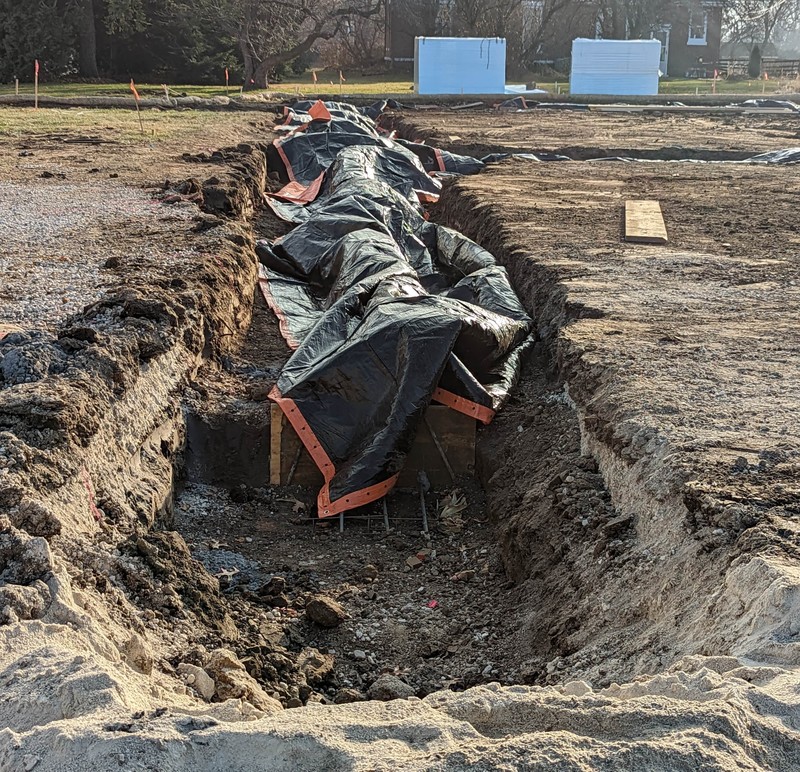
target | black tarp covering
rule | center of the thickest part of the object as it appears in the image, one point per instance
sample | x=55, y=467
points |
x=790, y=155
x=313, y=143
x=781, y=104
x=435, y=160
x=387, y=312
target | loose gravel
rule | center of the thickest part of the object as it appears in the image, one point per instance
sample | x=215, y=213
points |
x=57, y=237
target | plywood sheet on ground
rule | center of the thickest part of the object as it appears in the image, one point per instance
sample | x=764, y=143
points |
x=644, y=222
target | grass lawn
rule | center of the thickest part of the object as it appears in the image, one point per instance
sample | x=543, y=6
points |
x=705, y=86
x=375, y=85
x=120, y=125
x=361, y=85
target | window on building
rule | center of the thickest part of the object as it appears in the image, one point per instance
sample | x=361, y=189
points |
x=698, y=28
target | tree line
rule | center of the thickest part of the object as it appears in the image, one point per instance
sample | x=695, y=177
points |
x=176, y=41
x=194, y=41
x=541, y=29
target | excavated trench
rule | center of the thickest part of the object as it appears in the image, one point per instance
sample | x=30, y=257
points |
x=540, y=569
x=533, y=581
x=464, y=616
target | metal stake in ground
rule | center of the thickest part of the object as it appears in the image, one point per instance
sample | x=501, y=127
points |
x=294, y=465
x=439, y=447
x=137, y=98
x=424, y=485
x=35, y=84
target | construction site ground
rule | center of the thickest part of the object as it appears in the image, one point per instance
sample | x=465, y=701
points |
x=584, y=134
x=622, y=586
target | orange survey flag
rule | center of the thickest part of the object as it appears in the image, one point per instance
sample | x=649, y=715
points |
x=135, y=92
x=342, y=79
x=36, y=66
x=314, y=75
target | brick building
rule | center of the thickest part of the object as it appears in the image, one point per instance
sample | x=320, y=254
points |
x=690, y=31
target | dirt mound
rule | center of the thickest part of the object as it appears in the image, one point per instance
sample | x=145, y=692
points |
x=705, y=715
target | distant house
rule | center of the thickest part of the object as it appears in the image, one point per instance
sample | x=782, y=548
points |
x=691, y=37
x=690, y=31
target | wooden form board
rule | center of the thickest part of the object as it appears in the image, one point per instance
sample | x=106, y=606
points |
x=454, y=431
x=644, y=222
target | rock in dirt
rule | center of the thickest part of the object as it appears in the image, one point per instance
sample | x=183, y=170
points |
x=37, y=519
x=389, y=687
x=137, y=654
x=24, y=601
x=198, y=679
x=344, y=696
x=314, y=665
x=369, y=573
x=29, y=762
x=463, y=576
x=618, y=525
x=577, y=689
x=274, y=587
x=234, y=682
x=325, y=612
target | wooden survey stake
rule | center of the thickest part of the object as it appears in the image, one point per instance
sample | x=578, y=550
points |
x=136, y=98
x=644, y=223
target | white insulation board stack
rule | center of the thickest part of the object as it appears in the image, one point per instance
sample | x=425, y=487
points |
x=459, y=65
x=621, y=67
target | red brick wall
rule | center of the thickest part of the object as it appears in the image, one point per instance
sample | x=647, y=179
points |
x=685, y=58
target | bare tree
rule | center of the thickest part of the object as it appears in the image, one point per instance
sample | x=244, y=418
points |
x=276, y=32
x=528, y=25
x=761, y=21
x=552, y=22
x=631, y=19
x=360, y=44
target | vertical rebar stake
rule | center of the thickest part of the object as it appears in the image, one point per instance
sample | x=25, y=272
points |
x=385, y=514
x=341, y=522
x=422, y=505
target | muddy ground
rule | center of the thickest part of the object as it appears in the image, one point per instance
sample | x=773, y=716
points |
x=641, y=484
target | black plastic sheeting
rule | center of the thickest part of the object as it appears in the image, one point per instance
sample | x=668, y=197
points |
x=305, y=154
x=386, y=311
x=782, y=104
x=520, y=104
x=791, y=155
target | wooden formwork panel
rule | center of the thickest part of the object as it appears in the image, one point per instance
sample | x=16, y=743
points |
x=455, y=433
